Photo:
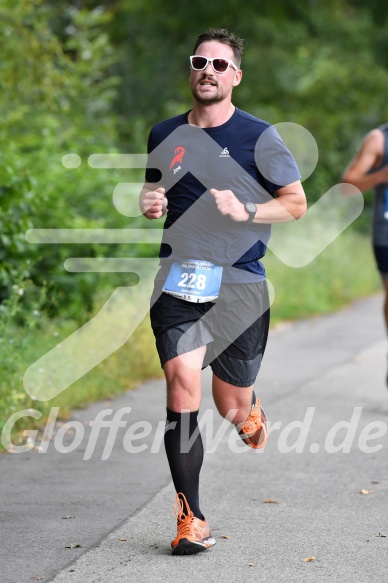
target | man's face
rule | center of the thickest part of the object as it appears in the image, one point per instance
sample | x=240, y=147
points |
x=207, y=86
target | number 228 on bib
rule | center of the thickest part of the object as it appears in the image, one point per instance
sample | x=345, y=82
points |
x=194, y=280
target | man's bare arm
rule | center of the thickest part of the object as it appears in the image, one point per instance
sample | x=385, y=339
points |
x=367, y=158
x=289, y=204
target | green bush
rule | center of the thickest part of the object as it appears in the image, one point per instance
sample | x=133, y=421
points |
x=56, y=98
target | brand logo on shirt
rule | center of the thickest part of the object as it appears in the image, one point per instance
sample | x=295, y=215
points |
x=225, y=153
x=177, y=159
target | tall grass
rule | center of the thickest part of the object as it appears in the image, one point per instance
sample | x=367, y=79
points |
x=21, y=346
x=344, y=272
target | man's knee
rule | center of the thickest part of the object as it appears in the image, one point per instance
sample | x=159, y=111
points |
x=183, y=386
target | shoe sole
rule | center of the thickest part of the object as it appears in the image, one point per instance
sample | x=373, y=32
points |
x=188, y=547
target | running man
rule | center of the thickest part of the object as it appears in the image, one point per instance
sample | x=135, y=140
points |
x=369, y=170
x=210, y=303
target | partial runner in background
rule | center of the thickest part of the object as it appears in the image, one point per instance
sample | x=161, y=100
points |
x=369, y=170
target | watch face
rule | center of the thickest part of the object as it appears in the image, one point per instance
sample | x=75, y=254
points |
x=250, y=207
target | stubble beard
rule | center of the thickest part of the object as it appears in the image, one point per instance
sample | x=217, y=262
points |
x=216, y=98
x=209, y=100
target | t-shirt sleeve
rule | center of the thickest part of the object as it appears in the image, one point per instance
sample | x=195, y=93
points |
x=152, y=175
x=274, y=161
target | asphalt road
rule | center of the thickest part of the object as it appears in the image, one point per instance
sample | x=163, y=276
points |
x=312, y=506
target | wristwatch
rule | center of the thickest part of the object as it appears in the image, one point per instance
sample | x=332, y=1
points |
x=251, y=209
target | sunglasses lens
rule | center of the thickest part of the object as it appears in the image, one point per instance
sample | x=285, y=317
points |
x=220, y=65
x=198, y=63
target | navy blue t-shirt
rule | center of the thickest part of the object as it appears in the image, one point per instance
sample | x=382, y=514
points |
x=188, y=161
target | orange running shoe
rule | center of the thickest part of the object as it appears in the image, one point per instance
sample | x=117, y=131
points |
x=193, y=534
x=254, y=430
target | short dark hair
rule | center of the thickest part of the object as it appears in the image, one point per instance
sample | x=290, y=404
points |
x=223, y=36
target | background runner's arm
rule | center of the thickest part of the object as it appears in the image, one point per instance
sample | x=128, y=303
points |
x=368, y=157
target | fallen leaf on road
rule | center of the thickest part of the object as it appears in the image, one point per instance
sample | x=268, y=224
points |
x=365, y=492
x=225, y=536
x=123, y=538
x=72, y=546
x=309, y=559
x=270, y=501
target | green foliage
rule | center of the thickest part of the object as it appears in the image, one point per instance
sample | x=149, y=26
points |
x=56, y=98
x=315, y=63
x=18, y=206
x=14, y=338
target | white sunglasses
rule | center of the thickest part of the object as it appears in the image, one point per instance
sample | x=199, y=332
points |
x=199, y=63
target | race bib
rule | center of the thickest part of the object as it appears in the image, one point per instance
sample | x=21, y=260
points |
x=194, y=280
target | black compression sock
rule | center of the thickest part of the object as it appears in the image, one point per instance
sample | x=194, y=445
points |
x=184, y=449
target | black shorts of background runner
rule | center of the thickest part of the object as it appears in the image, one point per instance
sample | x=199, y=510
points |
x=234, y=328
x=381, y=256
